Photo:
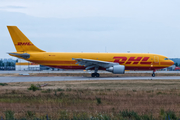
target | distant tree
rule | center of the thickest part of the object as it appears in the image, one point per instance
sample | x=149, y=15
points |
x=1, y=63
x=13, y=64
x=10, y=64
x=176, y=64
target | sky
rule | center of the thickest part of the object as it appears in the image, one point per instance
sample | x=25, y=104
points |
x=113, y=26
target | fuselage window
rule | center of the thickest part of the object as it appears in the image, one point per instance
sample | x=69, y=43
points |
x=166, y=59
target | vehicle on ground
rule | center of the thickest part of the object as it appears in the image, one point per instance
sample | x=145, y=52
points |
x=177, y=69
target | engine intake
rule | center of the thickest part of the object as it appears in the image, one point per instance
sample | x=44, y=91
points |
x=117, y=69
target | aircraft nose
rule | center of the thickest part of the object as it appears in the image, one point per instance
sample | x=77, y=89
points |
x=172, y=63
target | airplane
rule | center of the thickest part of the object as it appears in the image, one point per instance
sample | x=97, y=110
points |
x=116, y=63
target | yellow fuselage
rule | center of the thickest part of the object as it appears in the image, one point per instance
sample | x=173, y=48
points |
x=131, y=61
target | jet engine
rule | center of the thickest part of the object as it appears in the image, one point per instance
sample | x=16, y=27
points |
x=116, y=69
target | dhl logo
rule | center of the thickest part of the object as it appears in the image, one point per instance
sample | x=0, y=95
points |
x=24, y=43
x=132, y=60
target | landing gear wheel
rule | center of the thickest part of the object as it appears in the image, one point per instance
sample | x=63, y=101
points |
x=93, y=75
x=153, y=75
x=97, y=75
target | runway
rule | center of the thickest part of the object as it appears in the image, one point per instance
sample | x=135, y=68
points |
x=79, y=71
x=8, y=79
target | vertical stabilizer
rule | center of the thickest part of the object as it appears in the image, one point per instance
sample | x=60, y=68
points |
x=21, y=42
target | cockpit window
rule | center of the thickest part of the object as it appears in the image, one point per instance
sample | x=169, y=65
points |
x=166, y=59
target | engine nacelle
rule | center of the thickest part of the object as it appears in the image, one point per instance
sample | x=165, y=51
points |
x=117, y=69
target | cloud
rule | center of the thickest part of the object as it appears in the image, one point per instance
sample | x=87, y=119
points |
x=13, y=7
x=91, y=34
x=120, y=25
x=162, y=11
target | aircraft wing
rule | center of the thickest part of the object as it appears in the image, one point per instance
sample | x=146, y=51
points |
x=89, y=63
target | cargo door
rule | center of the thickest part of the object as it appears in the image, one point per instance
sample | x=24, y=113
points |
x=156, y=60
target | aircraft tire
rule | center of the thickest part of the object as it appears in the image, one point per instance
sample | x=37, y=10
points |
x=153, y=75
x=97, y=75
x=93, y=75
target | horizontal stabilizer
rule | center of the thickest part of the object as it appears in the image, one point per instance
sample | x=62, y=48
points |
x=24, y=55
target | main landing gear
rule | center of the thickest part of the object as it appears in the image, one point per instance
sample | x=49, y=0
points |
x=95, y=74
x=153, y=74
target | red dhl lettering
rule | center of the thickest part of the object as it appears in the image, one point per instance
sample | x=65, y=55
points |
x=120, y=60
x=132, y=60
x=24, y=43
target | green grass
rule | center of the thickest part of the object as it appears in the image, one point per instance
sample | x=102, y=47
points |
x=67, y=115
x=109, y=101
x=3, y=84
x=34, y=88
x=59, y=89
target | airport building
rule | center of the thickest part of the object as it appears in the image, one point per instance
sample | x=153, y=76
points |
x=27, y=66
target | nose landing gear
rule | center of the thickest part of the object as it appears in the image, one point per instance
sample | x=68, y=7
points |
x=153, y=74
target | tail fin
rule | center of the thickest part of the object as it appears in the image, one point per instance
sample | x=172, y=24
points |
x=21, y=42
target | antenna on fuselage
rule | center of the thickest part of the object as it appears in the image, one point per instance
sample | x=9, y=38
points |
x=105, y=50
